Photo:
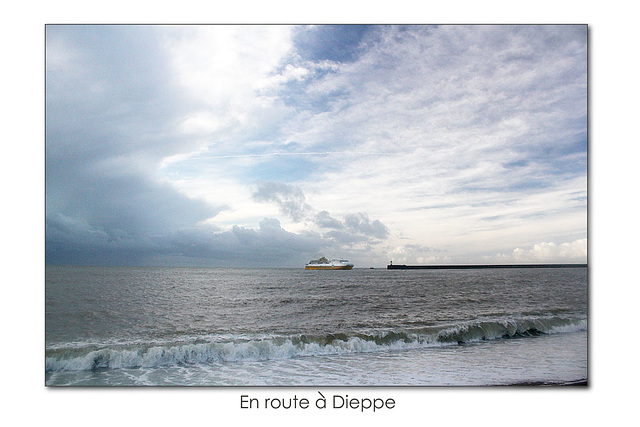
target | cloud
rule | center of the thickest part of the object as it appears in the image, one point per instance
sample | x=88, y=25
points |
x=350, y=229
x=71, y=241
x=575, y=251
x=111, y=107
x=118, y=218
x=476, y=122
x=464, y=139
x=360, y=223
x=325, y=220
x=420, y=254
x=267, y=245
x=543, y=252
x=289, y=198
x=339, y=43
x=228, y=72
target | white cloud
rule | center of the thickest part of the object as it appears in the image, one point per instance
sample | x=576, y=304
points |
x=477, y=125
x=575, y=251
x=289, y=198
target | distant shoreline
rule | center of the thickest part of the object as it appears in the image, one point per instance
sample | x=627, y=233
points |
x=480, y=266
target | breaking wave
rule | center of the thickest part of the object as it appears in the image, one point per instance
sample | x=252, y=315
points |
x=226, y=349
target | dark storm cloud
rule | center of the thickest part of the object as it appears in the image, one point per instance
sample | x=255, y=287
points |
x=109, y=92
x=271, y=240
x=110, y=110
x=73, y=242
x=267, y=245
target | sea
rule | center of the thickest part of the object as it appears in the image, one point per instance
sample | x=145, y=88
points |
x=128, y=326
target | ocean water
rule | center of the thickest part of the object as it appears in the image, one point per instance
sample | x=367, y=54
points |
x=112, y=326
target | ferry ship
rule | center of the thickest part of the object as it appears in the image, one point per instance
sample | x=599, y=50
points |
x=325, y=264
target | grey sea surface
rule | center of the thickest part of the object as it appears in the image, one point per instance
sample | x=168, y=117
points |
x=124, y=326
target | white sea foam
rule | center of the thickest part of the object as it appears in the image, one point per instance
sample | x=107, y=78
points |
x=275, y=348
x=449, y=365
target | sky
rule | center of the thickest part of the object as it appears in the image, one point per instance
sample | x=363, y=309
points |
x=269, y=146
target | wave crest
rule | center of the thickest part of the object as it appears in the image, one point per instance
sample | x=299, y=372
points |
x=285, y=347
